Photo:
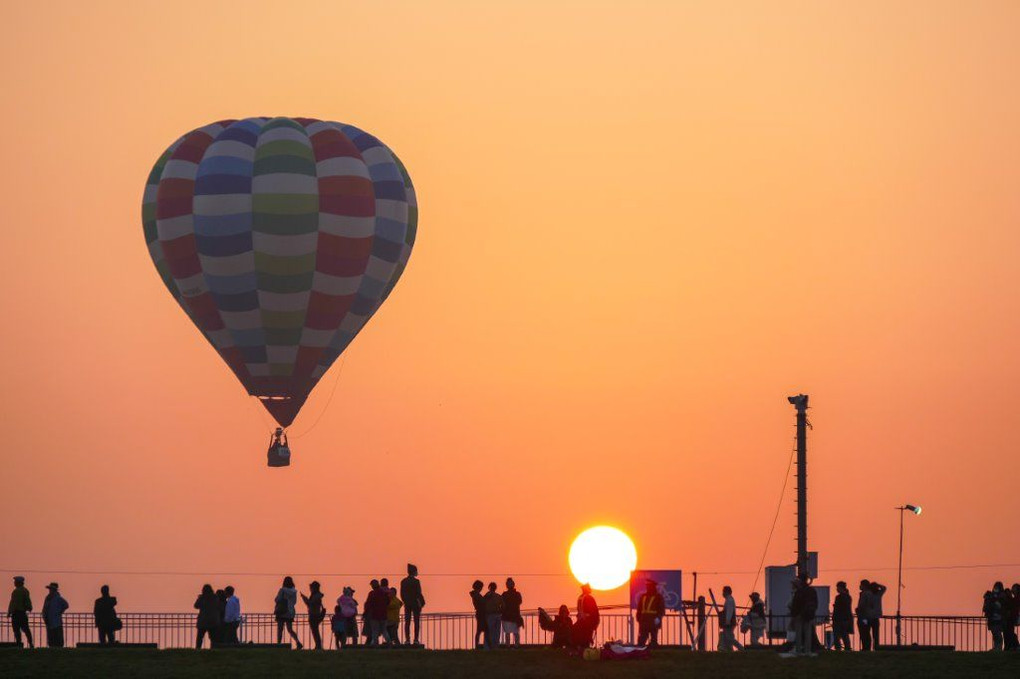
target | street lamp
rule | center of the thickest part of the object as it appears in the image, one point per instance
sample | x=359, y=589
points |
x=916, y=509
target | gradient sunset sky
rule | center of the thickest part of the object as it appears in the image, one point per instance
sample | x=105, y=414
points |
x=642, y=226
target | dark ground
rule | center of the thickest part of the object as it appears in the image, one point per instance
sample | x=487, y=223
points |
x=511, y=664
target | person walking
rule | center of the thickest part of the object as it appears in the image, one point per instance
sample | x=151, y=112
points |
x=875, y=622
x=728, y=622
x=414, y=602
x=512, y=620
x=284, y=610
x=316, y=612
x=18, y=610
x=842, y=618
x=347, y=612
x=865, y=611
x=755, y=620
x=992, y=611
x=587, y=618
x=478, y=604
x=650, y=611
x=231, y=617
x=493, y=617
x=104, y=613
x=208, y=621
x=376, y=608
x=53, y=609
x=393, y=606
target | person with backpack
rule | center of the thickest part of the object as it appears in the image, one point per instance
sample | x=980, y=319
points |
x=316, y=612
x=755, y=620
x=345, y=619
x=414, y=602
x=208, y=620
x=104, y=612
x=493, y=617
x=53, y=616
x=284, y=610
x=512, y=621
x=842, y=618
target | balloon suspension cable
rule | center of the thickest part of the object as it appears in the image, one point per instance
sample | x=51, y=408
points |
x=339, y=372
x=271, y=426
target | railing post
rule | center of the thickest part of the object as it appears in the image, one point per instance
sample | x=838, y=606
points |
x=701, y=623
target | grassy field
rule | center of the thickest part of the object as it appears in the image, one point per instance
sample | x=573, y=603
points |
x=521, y=664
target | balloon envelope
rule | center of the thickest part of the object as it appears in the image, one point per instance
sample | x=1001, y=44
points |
x=280, y=238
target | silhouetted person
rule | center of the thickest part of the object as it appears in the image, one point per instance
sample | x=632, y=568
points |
x=53, y=616
x=208, y=621
x=478, y=603
x=875, y=622
x=587, y=618
x=563, y=628
x=284, y=606
x=414, y=602
x=756, y=619
x=231, y=617
x=345, y=619
x=512, y=621
x=393, y=606
x=104, y=611
x=993, y=612
x=376, y=608
x=803, y=609
x=842, y=618
x=220, y=633
x=728, y=622
x=493, y=616
x=1010, y=610
x=865, y=611
x=316, y=612
x=650, y=610
x=18, y=610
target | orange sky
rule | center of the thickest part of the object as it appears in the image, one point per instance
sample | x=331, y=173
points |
x=643, y=225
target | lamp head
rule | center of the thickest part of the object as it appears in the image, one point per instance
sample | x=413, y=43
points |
x=913, y=508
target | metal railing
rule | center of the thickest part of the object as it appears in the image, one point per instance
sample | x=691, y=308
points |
x=449, y=631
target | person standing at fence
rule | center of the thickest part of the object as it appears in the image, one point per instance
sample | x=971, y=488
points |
x=865, y=600
x=587, y=618
x=376, y=606
x=221, y=631
x=478, y=604
x=414, y=602
x=754, y=621
x=104, y=611
x=393, y=606
x=842, y=618
x=18, y=610
x=992, y=610
x=1010, y=607
x=208, y=620
x=231, y=616
x=650, y=610
x=346, y=613
x=493, y=617
x=728, y=622
x=316, y=612
x=284, y=611
x=875, y=622
x=53, y=616
x=512, y=620
x=803, y=608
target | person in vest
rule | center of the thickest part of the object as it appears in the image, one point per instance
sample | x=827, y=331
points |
x=393, y=616
x=587, y=618
x=104, y=611
x=650, y=610
x=414, y=602
x=512, y=620
x=18, y=610
x=53, y=616
x=728, y=622
x=755, y=619
x=864, y=612
x=842, y=618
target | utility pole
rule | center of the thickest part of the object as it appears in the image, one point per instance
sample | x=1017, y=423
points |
x=800, y=402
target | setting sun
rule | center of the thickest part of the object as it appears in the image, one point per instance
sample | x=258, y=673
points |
x=603, y=556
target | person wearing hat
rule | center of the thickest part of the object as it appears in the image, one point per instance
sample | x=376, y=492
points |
x=345, y=619
x=755, y=619
x=104, y=612
x=53, y=616
x=18, y=610
x=650, y=611
x=316, y=612
x=414, y=602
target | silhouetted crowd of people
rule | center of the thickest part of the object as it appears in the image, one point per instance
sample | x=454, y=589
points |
x=1001, y=609
x=104, y=613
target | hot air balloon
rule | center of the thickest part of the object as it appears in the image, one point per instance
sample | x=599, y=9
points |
x=280, y=238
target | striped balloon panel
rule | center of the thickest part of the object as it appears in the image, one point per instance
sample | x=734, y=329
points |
x=280, y=238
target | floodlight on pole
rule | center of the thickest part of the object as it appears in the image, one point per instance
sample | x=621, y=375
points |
x=916, y=510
